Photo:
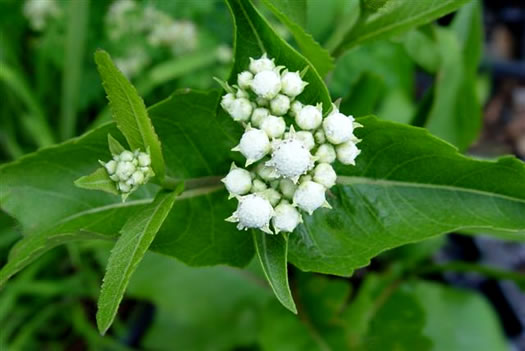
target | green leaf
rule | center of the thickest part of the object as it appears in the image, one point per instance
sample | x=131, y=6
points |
x=272, y=252
x=199, y=309
x=73, y=211
x=135, y=239
x=407, y=186
x=129, y=112
x=75, y=43
x=114, y=146
x=293, y=14
x=422, y=48
x=394, y=17
x=98, y=180
x=455, y=115
x=254, y=36
x=468, y=26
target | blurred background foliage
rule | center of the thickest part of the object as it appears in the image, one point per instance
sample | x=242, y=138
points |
x=461, y=77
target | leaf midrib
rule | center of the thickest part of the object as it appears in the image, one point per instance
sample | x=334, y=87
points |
x=350, y=180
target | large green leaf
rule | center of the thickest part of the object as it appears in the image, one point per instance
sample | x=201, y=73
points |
x=135, y=239
x=254, y=36
x=187, y=124
x=407, y=186
x=129, y=112
x=394, y=17
x=272, y=251
x=293, y=14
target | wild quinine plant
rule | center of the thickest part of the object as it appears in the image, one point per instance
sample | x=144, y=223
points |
x=314, y=187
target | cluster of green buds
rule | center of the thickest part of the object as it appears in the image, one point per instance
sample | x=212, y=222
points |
x=129, y=170
x=289, y=148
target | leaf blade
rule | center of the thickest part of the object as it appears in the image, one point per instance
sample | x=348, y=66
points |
x=385, y=21
x=129, y=112
x=136, y=236
x=272, y=253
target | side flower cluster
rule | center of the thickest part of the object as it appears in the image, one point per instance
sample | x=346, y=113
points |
x=129, y=170
x=289, y=148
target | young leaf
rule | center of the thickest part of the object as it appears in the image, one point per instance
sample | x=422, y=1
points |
x=468, y=26
x=394, y=17
x=98, y=180
x=136, y=236
x=293, y=14
x=272, y=252
x=407, y=186
x=254, y=36
x=114, y=146
x=129, y=112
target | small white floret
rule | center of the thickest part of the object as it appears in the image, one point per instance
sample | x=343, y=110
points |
x=111, y=167
x=325, y=175
x=254, y=145
x=244, y=79
x=124, y=170
x=291, y=159
x=306, y=138
x=347, y=153
x=123, y=187
x=287, y=188
x=292, y=84
x=238, y=181
x=309, y=117
x=338, y=128
x=240, y=109
x=227, y=100
x=326, y=153
x=310, y=196
x=280, y=105
x=266, y=84
x=253, y=211
x=295, y=108
x=286, y=218
x=126, y=156
x=258, y=115
x=144, y=160
x=273, y=126
x=137, y=178
x=261, y=64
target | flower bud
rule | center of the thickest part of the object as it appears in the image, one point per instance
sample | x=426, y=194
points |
x=262, y=101
x=144, y=160
x=137, y=178
x=280, y=105
x=310, y=196
x=126, y=156
x=338, y=128
x=325, y=175
x=254, y=145
x=124, y=187
x=306, y=138
x=319, y=136
x=240, y=109
x=111, y=167
x=258, y=115
x=309, y=117
x=266, y=172
x=261, y=64
x=266, y=84
x=273, y=126
x=347, y=153
x=326, y=153
x=244, y=79
x=238, y=181
x=291, y=159
x=258, y=186
x=253, y=211
x=292, y=84
x=271, y=195
x=295, y=108
x=227, y=100
x=287, y=188
x=125, y=169
x=285, y=218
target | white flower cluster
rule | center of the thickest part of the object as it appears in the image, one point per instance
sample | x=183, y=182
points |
x=291, y=165
x=129, y=170
x=161, y=30
x=39, y=12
